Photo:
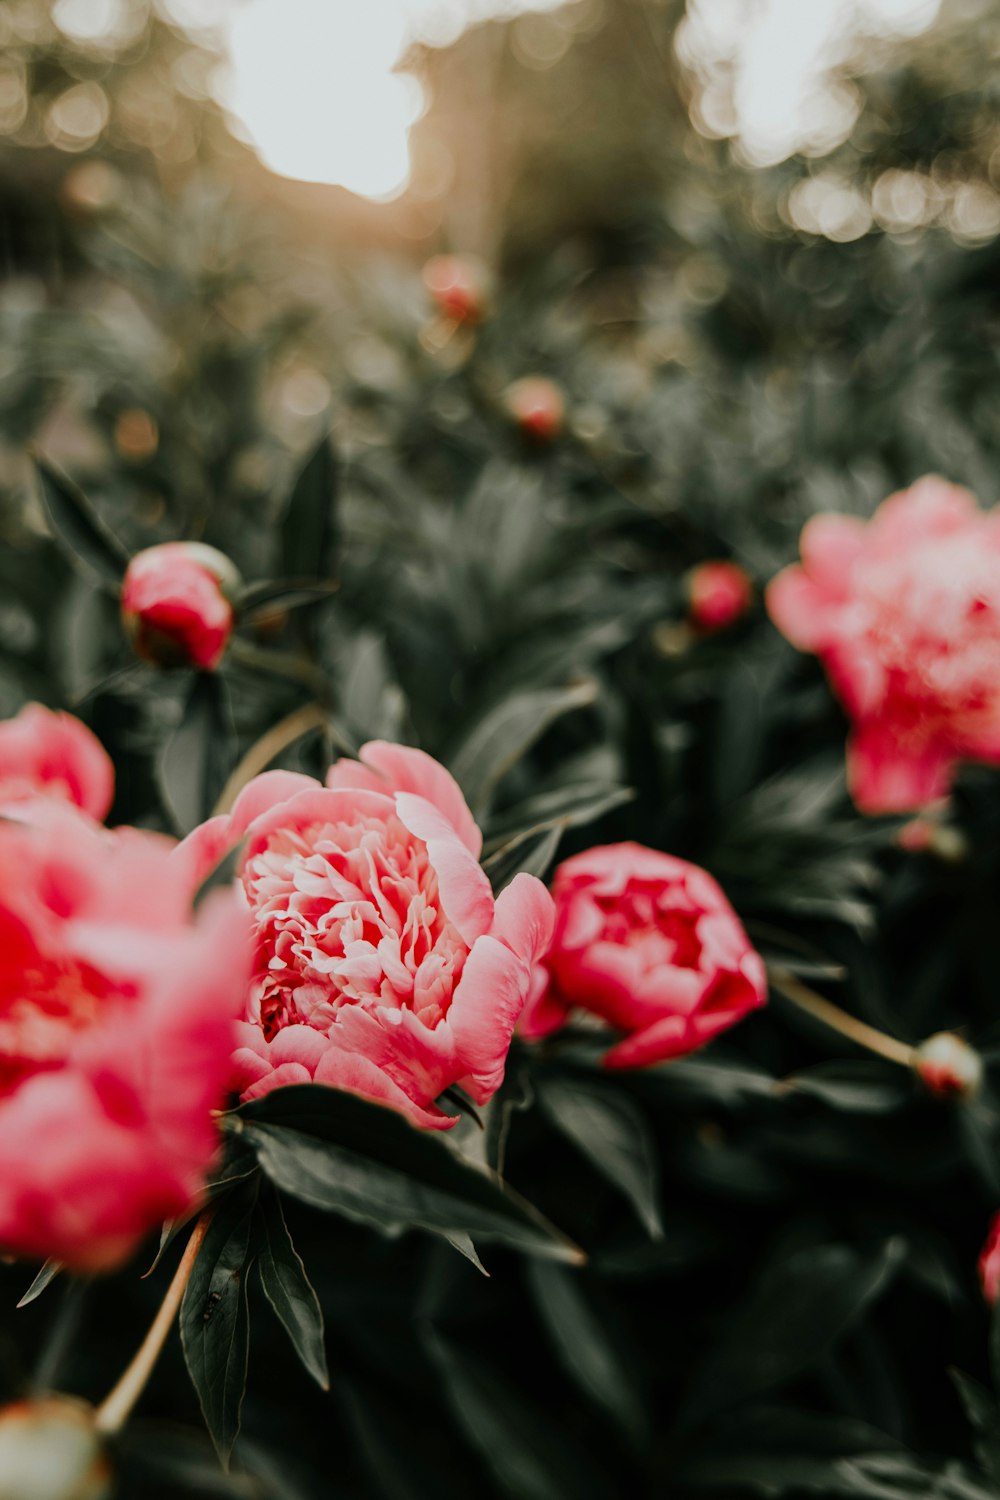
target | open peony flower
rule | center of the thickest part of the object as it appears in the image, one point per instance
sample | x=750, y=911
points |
x=904, y=612
x=117, y=1011
x=649, y=943
x=53, y=755
x=177, y=604
x=382, y=963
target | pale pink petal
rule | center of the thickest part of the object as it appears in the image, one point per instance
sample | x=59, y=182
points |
x=359, y=1075
x=264, y=792
x=404, y=769
x=885, y=776
x=524, y=917
x=284, y=1076
x=830, y=546
x=466, y=894
x=801, y=609
x=486, y=1007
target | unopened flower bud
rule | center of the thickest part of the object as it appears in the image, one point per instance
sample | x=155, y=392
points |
x=719, y=594
x=50, y=1450
x=177, y=604
x=537, y=406
x=458, y=284
x=948, y=1067
x=989, y=1263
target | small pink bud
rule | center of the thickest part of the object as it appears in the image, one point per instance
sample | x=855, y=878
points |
x=177, y=604
x=537, y=406
x=50, y=1450
x=458, y=284
x=719, y=594
x=948, y=1067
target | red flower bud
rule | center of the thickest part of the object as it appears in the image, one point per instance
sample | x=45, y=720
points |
x=49, y=1450
x=176, y=604
x=458, y=285
x=949, y=1067
x=537, y=406
x=719, y=594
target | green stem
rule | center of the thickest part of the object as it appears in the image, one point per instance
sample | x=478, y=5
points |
x=831, y=1015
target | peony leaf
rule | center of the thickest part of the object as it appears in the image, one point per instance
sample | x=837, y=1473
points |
x=528, y=853
x=498, y=740
x=273, y=594
x=309, y=530
x=215, y=1320
x=195, y=761
x=605, y=1125
x=76, y=526
x=343, y=1154
x=46, y=1275
x=289, y=1290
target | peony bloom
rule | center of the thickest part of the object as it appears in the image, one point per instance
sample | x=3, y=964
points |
x=989, y=1263
x=904, y=612
x=458, y=284
x=382, y=963
x=649, y=943
x=176, y=604
x=53, y=755
x=117, y=1013
x=719, y=594
x=537, y=406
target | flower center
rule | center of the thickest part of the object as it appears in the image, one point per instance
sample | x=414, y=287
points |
x=348, y=913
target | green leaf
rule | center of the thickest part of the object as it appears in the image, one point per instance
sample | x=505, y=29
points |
x=281, y=593
x=77, y=527
x=348, y=1156
x=215, y=1322
x=567, y=807
x=498, y=740
x=611, y=1132
x=983, y=1413
x=523, y=1448
x=47, y=1274
x=289, y=1290
x=309, y=530
x=584, y=1348
x=800, y=1307
x=530, y=853
x=196, y=758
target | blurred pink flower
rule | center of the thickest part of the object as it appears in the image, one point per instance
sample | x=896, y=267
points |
x=719, y=594
x=117, y=1013
x=904, y=612
x=649, y=943
x=176, y=605
x=53, y=755
x=989, y=1263
x=383, y=964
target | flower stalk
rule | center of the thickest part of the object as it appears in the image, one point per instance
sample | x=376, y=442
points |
x=115, y=1409
x=839, y=1020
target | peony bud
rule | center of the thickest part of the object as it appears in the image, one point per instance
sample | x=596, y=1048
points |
x=458, y=285
x=177, y=604
x=719, y=594
x=537, y=406
x=989, y=1263
x=949, y=1067
x=49, y=1450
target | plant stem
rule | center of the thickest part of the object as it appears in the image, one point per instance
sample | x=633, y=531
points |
x=831, y=1015
x=264, y=750
x=114, y=1410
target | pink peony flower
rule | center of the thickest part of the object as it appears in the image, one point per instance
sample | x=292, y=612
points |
x=719, y=594
x=53, y=755
x=176, y=604
x=383, y=964
x=649, y=943
x=117, y=1013
x=904, y=612
x=989, y=1263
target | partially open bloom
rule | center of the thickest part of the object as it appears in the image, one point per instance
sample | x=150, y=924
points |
x=537, y=406
x=989, y=1263
x=458, y=284
x=117, y=1011
x=649, y=943
x=719, y=594
x=904, y=612
x=177, y=604
x=382, y=963
x=53, y=755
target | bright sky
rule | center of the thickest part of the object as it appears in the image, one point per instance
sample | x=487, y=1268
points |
x=312, y=81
